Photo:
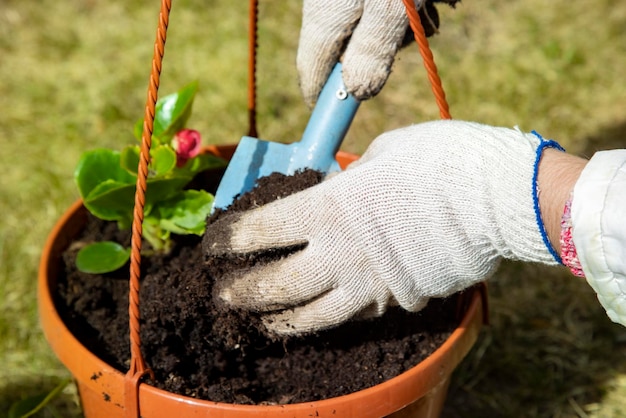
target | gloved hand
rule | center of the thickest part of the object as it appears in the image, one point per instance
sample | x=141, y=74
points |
x=375, y=29
x=427, y=211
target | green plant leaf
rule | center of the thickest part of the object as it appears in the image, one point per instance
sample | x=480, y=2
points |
x=185, y=213
x=164, y=188
x=200, y=163
x=138, y=130
x=163, y=160
x=173, y=111
x=158, y=237
x=129, y=158
x=171, y=114
x=111, y=200
x=114, y=201
x=33, y=404
x=98, y=166
x=138, y=133
x=102, y=257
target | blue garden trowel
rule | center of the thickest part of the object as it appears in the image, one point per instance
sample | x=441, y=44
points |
x=255, y=158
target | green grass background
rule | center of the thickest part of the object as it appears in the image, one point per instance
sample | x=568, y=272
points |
x=73, y=76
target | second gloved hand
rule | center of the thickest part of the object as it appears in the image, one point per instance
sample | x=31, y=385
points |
x=427, y=211
x=371, y=32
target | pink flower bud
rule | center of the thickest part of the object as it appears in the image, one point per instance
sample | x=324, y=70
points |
x=187, y=144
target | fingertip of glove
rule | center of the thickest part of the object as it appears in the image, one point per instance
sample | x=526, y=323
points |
x=218, y=234
x=283, y=325
x=310, y=90
x=225, y=295
x=366, y=91
x=365, y=80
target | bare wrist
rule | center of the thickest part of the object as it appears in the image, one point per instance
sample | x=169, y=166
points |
x=558, y=173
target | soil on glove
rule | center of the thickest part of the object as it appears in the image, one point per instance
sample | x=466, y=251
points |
x=199, y=348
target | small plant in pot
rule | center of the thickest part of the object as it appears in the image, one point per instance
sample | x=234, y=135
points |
x=106, y=182
x=205, y=357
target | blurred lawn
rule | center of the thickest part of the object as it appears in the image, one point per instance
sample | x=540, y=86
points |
x=73, y=76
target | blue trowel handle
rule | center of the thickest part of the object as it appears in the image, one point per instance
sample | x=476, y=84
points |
x=329, y=121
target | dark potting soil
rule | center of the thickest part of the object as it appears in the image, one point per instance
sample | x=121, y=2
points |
x=201, y=349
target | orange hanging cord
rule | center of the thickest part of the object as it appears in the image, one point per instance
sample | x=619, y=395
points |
x=138, y=368
x=427, y=56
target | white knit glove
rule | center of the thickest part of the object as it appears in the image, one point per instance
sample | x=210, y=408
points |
x=427, y=211
x=373, y=30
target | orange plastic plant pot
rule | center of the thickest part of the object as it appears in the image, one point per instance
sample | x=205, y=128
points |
x=419, y=392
